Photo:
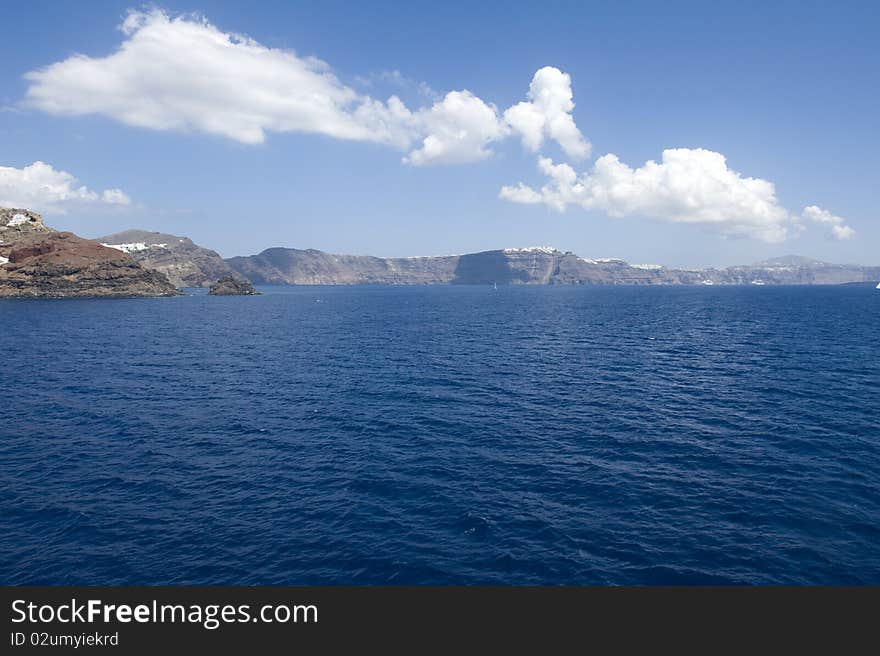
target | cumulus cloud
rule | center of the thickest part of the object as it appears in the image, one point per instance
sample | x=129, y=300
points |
x=47, y=190
x=522, y=194
x=547, y=114
x=693, y=186
x=182, y=73
x=459, y=129
x=115, y=197
x=837, y=228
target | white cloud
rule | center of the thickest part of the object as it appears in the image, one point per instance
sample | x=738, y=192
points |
x=459, y=129
x=182, y=73
x=837, y=225
x=44, y=189
x=687, y=186
x=547, y=114
x=522, y=194
x=115, y=197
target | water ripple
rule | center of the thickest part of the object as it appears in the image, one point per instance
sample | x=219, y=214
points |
x=443, y=435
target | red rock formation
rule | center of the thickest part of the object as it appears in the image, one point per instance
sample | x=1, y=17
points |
x=36, y=261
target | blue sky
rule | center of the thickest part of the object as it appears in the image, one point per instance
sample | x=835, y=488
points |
x=786, y=91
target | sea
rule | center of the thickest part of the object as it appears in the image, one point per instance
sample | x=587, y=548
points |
x=443, y=435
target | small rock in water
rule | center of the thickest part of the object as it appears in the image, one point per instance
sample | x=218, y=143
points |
x=230, y=286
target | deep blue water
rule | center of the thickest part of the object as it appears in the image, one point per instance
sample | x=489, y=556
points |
x=581, y=435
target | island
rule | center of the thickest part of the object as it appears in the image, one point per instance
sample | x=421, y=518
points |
x=232, y=286
x=39, y=262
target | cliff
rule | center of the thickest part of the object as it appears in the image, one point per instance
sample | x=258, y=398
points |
x=37, y=261
x=537, y=265
x=797, y=270
x=541, y=265
x=185, y=263
x=290, y=266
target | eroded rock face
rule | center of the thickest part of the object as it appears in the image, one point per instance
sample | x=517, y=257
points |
x=532, y=266
x=185, y=263
x=15, y=222
x=232, y=286
x=37, y=261
x=289, y=266
x=541, y=265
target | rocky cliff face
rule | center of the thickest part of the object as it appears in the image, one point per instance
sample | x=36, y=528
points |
x=795, y=270
x=289, y=266
x=185, y=263
x=36, y=261
x=231, y=286
x=531, y=266
x=188, y=265
x=535, y=266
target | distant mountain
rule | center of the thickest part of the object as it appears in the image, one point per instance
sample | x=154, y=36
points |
x=791, y=261
x=37, y=261
x=536, y=265
x=797, y=270
x=187, y=264
x=184, y=263
x=290, y=266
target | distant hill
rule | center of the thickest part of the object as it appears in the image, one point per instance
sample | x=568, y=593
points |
x=532, y=266
x=185, y=263
x=290, y=266
x=797, y=270
x=189, y=265
x=536, y=265
x=791, y=261
x=37, y=261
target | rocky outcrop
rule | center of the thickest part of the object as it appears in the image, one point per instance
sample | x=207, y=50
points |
x=541, y=265
x=290, y=266
x=797, y=270
x=185, y=263
x=37, y=261
x=544, y=265
x=232, y=286
x=537, y=265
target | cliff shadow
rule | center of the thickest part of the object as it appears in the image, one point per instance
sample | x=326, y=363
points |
x=485, y=269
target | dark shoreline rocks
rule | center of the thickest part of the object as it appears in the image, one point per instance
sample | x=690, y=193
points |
x=232, y=286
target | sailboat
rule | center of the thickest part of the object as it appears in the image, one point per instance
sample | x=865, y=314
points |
x=878, y=286
x=495, y=286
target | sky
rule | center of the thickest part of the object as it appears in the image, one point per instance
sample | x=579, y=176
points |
x=689, y=134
